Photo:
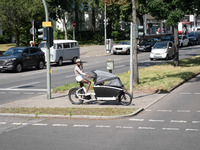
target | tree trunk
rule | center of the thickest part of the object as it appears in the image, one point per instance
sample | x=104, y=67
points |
x=176, y=51
x=135, y=57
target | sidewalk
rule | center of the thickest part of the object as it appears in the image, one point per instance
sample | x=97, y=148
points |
x=140, y=101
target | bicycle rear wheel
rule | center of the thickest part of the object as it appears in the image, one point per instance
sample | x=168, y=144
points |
x=73, y=95
x=125, y=98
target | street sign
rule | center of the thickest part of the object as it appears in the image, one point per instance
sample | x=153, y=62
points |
x=74, y=23
x=32, y=30
x=46, y=24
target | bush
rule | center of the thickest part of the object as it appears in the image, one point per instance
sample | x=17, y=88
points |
x=4, y=39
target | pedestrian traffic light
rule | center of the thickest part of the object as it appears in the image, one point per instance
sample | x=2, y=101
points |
x=138, y=31
x=44, y=33
x=50, y=36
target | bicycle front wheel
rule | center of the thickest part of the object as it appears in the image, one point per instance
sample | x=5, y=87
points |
x=125, y=98
x=73, y=95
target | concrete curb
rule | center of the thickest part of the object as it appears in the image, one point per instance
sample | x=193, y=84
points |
x=71, y=117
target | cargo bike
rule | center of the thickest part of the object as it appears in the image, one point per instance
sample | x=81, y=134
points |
x=106, y=87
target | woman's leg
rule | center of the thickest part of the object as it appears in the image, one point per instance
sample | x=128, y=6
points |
x=88, y=84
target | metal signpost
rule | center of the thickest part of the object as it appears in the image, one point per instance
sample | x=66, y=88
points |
x=73, y=25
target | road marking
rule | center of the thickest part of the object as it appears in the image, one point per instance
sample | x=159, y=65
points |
x=23, y=85
x=14, y=92
x=39, y=124
x=2, y=92
x=171, y=129
x=28, y=93
x=198, y=110
x=197, y=93
x=19, y=123
x=183, y=111
x=132, y=119
x=164, y=110
x=102, y=126
x=22, y=89
x=146, y=128
x=191, y=129
x=3, y=123
x=77, y=125
x=151, y=120
x=185, y=93
x=59, y=125
x=148, y=110
x=69, y=76
x=119, y=66
x=195, y=121
x=178, y=121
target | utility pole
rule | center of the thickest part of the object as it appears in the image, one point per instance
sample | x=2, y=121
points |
x=48, y=56
x=105, y=25
x=134, y=45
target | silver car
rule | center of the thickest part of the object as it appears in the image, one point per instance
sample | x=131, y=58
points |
x=162, y=50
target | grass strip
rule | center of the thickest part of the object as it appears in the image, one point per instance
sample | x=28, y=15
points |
x=70, y=111
x=156, y=79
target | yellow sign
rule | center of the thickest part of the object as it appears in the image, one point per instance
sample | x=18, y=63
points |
x=46, y=24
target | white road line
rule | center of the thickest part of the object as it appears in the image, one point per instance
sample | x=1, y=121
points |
x=127, y=127
x=198, y=110
x=23, y=85
x=164, y=110
x=79, y=125
x=185, y=93
x=151, y=120
x=102, y=126
x=69, y=76
x=14, y=92
x=22, y=89
x=178, y=121
x=28, y=93
x=59, y=125
x=132, y=119
x=148, y=110
x=19, y=123
x=197, y=93
x=119, y=66
x=171, y=129
x=191, y=129
x=183, y=111
x=39, y=124
x=195, y=121
x=3, y=123
x=146, y=128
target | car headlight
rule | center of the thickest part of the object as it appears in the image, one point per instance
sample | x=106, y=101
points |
x=10, y=60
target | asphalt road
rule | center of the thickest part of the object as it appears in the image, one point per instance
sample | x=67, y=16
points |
x=15, y=86
x=173, y=123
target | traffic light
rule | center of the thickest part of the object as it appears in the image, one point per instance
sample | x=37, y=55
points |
x=44, y=33
x=138, y=31
x=50, y=36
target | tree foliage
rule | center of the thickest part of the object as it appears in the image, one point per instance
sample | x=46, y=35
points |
x=15, y=17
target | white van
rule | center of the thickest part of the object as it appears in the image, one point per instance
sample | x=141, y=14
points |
x=62, y=50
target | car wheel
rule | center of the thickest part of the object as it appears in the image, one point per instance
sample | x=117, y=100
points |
x=74, y=60
x=18, y=68
x=167, y=57
x=60, y=62
x=128, y=52
x=40, y=64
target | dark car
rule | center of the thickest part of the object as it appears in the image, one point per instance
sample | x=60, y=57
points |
x=147, y=44
x=194, y=38
x=19, y=58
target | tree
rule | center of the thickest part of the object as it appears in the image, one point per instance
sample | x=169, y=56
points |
x=16, y=15
x=171, y=11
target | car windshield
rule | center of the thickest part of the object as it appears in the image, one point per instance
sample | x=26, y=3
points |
x=191, y=34
x=160, y=45
x=180, y=37
x=43, y=45
x=167, y=38
x=145, y=41
x=124, y=43
x=12, y=51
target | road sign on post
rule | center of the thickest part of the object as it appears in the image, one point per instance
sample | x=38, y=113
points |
x=73, y=26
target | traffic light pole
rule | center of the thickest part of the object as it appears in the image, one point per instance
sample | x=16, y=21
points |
x=48, y=55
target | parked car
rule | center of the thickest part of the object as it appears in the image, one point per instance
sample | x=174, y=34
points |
x=162, y=50
x=167, y=38
x=121, y=47
x=62, y=50
x=19, y=58
x=147, y=44
x=194, y=38
x=183, y=40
